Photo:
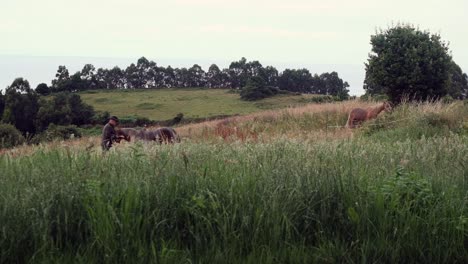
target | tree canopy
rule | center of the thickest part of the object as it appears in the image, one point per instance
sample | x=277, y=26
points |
x=408, y=62
x=21, y=105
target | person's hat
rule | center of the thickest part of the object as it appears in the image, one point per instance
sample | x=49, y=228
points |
x=116, y=119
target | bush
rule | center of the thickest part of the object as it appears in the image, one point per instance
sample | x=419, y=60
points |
x=447, y=99
x=10, y=136
x=55, y=132
x=101, y=117
x=256, y=90
x=142, y=121
x=322, y=99
x=127, y=121
x=375, y=97
x=177, y=119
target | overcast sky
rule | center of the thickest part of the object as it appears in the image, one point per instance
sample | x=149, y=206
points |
x=285, y=33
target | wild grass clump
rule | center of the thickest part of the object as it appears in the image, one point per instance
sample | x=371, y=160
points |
x=414, y=121
x=289, y=201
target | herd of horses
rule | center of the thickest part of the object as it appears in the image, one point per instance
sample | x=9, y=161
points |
x=168, y=135
x=160, y=135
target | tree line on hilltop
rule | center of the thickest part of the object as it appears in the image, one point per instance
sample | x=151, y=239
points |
x=147, y=74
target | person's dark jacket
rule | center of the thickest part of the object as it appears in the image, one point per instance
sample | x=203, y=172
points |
x=108, y=136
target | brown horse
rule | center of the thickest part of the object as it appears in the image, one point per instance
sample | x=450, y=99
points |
x=161, y=135
x=359, y=115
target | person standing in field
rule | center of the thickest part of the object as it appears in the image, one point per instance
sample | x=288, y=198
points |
x=108, y=133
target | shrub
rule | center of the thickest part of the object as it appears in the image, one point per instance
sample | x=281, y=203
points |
x=447, y=99
x=10, y=136
x=176, y=120
x=256, y=89
x=127, y=120
x=142, y=121
x=55, y=132
x=101, y=117
x=375, y=97
x=322, y=99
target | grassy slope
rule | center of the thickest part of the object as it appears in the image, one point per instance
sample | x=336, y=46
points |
x=164, y=104
x=272, y=187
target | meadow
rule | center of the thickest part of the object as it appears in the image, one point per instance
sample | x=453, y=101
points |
x=278, y=186
x=163, y=104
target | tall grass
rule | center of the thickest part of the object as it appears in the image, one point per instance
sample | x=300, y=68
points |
x=289, y=202
x=275, y=187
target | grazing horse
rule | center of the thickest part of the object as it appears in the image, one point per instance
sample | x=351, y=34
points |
x=359, y=115
x=163, y=134
x=127, y=133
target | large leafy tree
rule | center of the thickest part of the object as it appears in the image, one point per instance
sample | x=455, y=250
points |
x=80, y=113
x=63, y=109
x=2, y=104
x=62, y=80
x=330, y=84
x=21, y=106
x=53, y=111
x=407, y=62
x=458, y=82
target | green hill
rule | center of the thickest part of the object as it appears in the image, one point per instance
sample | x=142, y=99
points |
x=164, y=104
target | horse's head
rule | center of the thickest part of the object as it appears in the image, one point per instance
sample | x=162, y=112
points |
x=387, y=106
x=122, y=135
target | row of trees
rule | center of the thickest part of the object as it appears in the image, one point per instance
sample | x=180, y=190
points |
x=147, y=74
x=30, y=113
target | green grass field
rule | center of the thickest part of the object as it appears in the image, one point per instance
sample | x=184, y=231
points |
x=165, y=104
x=273, y=187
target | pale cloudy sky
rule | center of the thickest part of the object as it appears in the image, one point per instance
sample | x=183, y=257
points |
x=284, y=33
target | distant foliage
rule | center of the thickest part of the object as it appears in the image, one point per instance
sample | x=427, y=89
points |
x=177, y=119
x=43, y=89
x=2, y=104
x=323, y=99
x=409, y=63
x=302, y=81
x=64, y=109
x=147, y=74
x=30, y=113
x=100, y=118
x=56, y=132
x=256, y=89
x=457, y=87
x=21, y=105
x=10, y=136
